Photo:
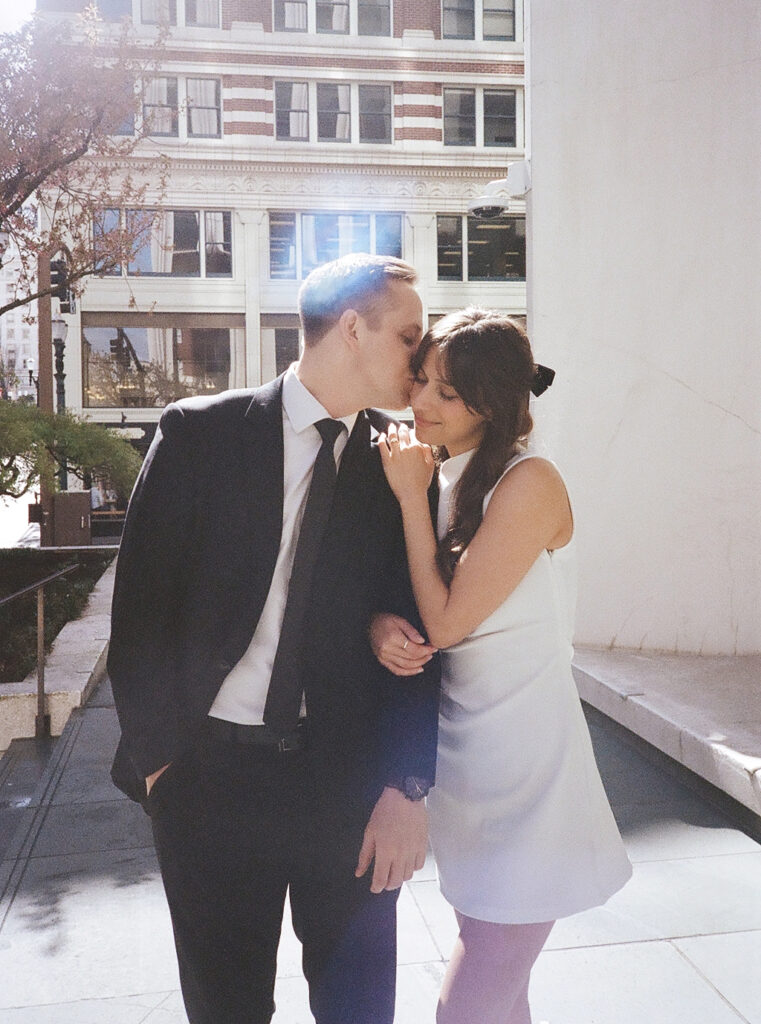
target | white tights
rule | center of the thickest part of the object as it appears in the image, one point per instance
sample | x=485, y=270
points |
x=488, y=974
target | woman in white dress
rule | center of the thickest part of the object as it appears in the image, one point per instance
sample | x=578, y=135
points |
x=520, y=824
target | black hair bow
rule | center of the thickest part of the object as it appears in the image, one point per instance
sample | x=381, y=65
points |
x=543, y=377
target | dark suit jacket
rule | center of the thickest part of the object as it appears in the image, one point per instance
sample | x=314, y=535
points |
x=199, y=548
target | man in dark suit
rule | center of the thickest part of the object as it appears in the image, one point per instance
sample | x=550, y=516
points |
x=268, y=745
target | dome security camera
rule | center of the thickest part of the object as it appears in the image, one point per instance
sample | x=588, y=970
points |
x=496, y=196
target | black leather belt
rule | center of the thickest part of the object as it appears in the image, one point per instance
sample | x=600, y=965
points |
x=257, y=735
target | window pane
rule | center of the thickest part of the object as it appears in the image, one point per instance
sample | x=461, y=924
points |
x=173, y=248
x=148, y=367
x=218, y=244
x=375, y=113
x=497, y=250
x=449, y=240
x=291, y=16
x=283, y=245
x=458, y=19
x=115, y=10
x=286, y=348
x=292, y=111
x=333, y=16
x=333, y=113
x=204, y=108
x=374, y=17
x=388, y=234
x=185, y=243
x=104, y=223
x=326, y=236
x=499, y=19
x=499, y=118
x=202, y=13
x=459, y=117
x=154, y=11
x=160, y=106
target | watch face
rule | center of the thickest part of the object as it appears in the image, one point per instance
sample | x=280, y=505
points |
x=416, y=789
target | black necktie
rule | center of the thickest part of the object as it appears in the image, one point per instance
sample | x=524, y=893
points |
x=281, y=710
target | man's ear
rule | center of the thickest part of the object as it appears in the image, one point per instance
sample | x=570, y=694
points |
x=348, y=323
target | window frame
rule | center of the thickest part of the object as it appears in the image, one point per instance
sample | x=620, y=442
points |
x=203, y=273
x=313, y=112
x=298, y=235
x=183, y=108
x=353, y=20
x=480, y=117
x=180, y=16
x=480, y=8
x=465, y=242
x=189, y=107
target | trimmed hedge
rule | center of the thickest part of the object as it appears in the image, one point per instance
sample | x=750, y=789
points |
x=65, y=599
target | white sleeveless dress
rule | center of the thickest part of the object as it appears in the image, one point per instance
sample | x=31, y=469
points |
x=520, y=824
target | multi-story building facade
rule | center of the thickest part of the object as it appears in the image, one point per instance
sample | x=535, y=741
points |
x=297, y=131
x=18, y=337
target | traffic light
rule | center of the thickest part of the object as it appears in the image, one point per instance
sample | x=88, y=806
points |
x=58, y=282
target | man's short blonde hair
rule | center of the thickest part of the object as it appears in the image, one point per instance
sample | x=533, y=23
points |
x=359, y=281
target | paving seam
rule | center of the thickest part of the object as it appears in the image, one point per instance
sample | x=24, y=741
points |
x=719, y=993
x=48, y=784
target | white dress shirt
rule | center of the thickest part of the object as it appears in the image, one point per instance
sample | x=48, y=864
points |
x=243, y=693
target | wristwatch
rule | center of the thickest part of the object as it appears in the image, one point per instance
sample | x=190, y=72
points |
x=413, y=787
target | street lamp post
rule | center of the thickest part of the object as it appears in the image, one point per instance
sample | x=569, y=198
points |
x=59, y=330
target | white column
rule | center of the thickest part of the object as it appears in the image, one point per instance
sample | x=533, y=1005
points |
x=646, y=246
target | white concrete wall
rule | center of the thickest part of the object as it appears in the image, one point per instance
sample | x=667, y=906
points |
x=645, y=236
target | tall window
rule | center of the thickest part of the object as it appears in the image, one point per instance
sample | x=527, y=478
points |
x=375, y=111
x=204, y=108
x=480, y=117
x=160, y=111
x=193, y=13
x=478, y=19
x=115, y=10
x=459, y=117
x=202, y=13
x=333, y=112
x=291, y=15
x=292, y=111
x=475, y=250
x=218, y=243
x=458, y=19
x=449, y=244
x=374, y=17
x=333, y=16
x=286, y=348
x=499, y=117
x=341, y=17
x=499, y=19
x=152, y=12
x=301, y=242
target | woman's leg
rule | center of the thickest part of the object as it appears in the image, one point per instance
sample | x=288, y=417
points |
x=488, y=975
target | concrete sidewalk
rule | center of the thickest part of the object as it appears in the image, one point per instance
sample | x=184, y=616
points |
x=85, y=935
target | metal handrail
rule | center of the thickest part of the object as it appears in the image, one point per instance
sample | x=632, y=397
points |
x=41, y=719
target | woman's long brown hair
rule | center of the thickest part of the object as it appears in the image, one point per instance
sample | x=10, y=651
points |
x=486, y=357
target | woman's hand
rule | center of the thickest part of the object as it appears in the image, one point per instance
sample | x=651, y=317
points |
x=397, y=645
x=408, y=464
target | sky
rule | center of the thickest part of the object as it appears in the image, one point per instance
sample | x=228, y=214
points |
x=13, y=13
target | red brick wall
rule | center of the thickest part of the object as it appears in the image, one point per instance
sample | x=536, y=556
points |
x=247, y=10
x=420, y=14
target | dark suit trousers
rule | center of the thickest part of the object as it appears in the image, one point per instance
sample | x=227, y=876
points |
x=235, y=827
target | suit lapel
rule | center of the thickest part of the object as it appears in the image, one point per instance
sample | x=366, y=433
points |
x=262, y=487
